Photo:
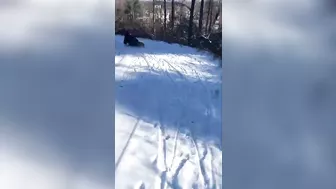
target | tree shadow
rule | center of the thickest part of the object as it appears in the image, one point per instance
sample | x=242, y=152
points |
x=173, y=102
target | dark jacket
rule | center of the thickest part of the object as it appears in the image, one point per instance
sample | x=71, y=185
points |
x=130, y=40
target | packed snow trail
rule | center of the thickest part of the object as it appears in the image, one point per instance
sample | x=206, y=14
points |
x=168, y=118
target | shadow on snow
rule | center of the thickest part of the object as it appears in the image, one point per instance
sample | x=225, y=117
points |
x=175, y=102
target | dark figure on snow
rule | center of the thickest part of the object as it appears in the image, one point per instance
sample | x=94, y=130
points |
x=132, y=41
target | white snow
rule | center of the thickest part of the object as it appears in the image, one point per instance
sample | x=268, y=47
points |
x=168, y=117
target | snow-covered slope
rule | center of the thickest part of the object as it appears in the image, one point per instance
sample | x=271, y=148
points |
x=168, y=117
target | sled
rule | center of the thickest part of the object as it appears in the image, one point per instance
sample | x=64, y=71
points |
x=138, y=44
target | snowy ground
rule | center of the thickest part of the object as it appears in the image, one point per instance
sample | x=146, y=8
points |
x=168, y=117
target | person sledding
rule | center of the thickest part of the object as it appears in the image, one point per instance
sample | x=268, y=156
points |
x=132, y=41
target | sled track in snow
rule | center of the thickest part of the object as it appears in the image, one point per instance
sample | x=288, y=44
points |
x=202, y=173
x=127, y=143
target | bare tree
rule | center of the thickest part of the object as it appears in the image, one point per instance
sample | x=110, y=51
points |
x=210, y=15
x=209, y=6
x=165, y=17
x=213, y=22
x=153, y=17
x=200, y=23
x=215, y=19
x=172, y=14
x=191, y=21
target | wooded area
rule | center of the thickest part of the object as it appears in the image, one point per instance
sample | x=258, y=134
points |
x=194, y=23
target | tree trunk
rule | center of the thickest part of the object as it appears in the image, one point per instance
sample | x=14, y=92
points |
x=153, y=17
x=200, y=23
x=191, y=19
x=172, y=15
x=210, y=15
x=165, y=17
x=215, y=19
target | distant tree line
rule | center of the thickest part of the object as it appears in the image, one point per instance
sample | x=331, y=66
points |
x=193, y=23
